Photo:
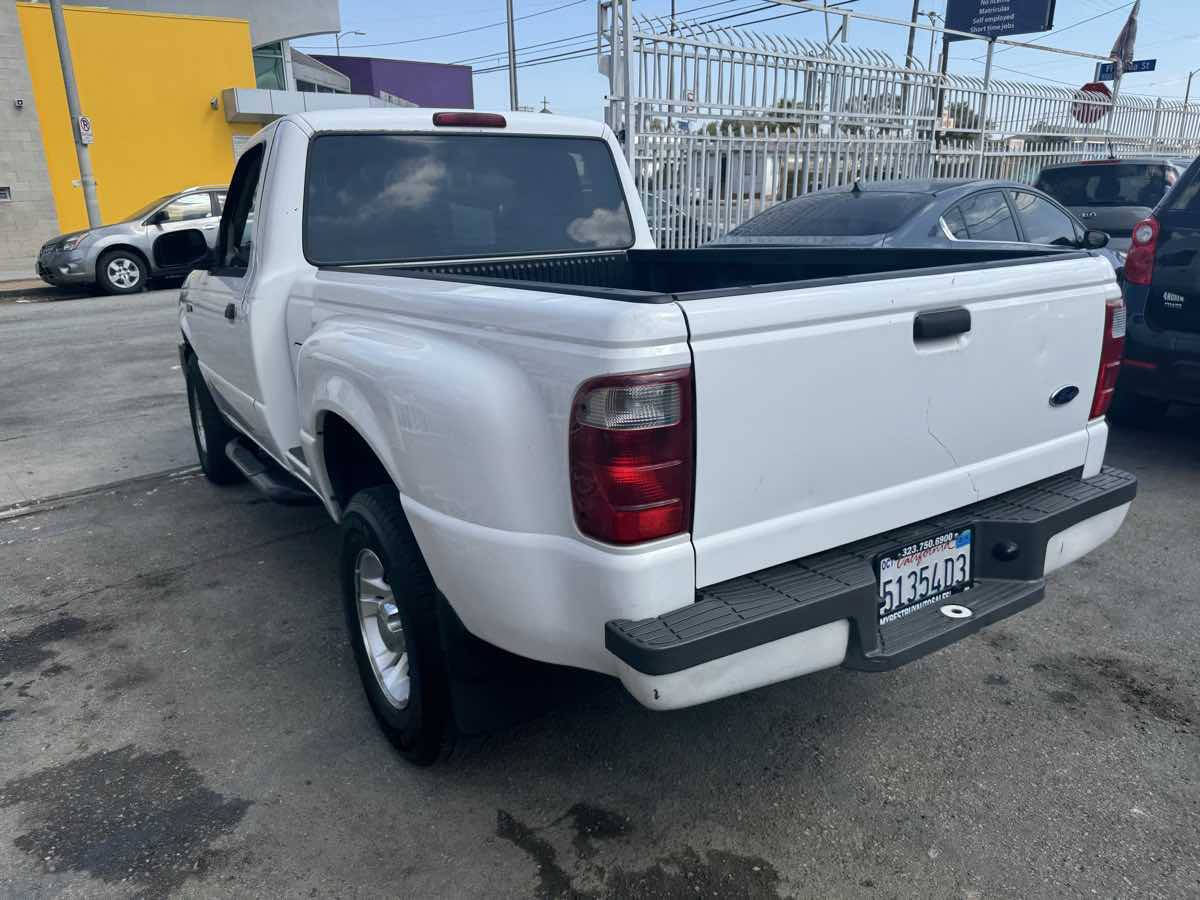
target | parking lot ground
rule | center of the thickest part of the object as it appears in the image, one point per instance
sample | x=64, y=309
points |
x=90, y=393
x=179, y=714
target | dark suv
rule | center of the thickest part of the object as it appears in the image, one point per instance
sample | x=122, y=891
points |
x=1111, y=195
x=1162, y=296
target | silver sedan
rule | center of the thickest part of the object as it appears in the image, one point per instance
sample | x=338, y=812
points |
x=120, y=258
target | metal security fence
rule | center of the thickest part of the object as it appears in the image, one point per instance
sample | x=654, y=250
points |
x=723, y=122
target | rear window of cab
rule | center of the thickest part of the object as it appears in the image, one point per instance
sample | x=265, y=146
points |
x=372, y=198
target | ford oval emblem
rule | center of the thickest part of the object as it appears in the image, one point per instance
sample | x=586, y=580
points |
x=1064, y=395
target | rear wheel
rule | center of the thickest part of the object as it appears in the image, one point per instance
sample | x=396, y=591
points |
x=121, y=272
x=1136, y=410
x=209, y=428
x=391, y=616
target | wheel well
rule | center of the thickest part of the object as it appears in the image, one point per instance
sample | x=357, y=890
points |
x=128, y=249
x=350, y=462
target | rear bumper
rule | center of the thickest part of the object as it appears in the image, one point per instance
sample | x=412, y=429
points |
x=1162, y=364
x=822, y=611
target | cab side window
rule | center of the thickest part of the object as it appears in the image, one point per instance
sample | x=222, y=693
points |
x=236, y=239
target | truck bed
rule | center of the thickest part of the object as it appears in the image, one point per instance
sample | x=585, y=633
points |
x=657, y=276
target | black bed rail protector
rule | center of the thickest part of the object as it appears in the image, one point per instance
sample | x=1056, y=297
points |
x=764, y=606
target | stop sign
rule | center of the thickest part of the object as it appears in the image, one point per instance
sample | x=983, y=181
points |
x=1088, y=109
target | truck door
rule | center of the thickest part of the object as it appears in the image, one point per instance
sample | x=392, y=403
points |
x=218, y=301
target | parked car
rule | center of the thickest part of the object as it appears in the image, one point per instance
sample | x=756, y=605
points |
x=1111, y=195
x=1162, y=291
x=698, y=471
x=118, y=257
x=947, y=213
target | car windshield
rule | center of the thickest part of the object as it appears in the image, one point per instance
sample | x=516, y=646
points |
x=148, y=208
x=838, y=214
x=394, y=197
x=1106, y=184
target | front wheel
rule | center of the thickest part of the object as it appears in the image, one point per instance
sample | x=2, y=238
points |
x=391, y=615
x=209, y=429
x=121, y=272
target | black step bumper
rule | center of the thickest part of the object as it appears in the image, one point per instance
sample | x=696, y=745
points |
x=775, y=603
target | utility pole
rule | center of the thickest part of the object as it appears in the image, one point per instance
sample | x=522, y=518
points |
x=908, y=54
x=1187, y=94
x=86, y=179
x=512, y=60
x=912, y=34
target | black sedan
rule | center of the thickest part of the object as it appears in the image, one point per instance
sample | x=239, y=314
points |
x=981, y=214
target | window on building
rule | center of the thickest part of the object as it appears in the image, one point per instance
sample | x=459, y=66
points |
x=307, y=86
x=5, y=193
x=269, y=73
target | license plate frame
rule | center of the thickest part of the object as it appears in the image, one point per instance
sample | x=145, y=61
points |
x=919, y=589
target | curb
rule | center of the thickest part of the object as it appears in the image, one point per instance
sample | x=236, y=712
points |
x=39, y=292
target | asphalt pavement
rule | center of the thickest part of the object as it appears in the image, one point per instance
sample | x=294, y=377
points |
x=179, y=713
x=90, y=393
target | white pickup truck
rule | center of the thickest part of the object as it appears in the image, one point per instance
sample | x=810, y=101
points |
x=698, y=471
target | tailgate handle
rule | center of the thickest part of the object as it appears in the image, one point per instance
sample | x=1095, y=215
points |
x=940, y=323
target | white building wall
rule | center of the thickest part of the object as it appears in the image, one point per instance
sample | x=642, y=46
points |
x=29, y=218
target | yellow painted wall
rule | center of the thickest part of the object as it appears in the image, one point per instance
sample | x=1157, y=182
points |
x=146, y=80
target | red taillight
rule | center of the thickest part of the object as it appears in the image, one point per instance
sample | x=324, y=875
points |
x=631, y=456
x=469, y=119
x=1139, y=263
x=1111, y=349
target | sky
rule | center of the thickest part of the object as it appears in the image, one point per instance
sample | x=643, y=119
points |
x=473, y=31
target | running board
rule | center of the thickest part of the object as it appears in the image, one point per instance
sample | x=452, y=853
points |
x=267, y=478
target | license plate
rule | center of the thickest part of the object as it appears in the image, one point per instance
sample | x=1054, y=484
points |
x=928, y=571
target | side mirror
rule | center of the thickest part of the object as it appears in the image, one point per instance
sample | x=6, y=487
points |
x=1094, y=240
x=183, y=250
x=159, y=217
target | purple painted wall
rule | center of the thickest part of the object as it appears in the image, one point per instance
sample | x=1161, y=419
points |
x=424, y=83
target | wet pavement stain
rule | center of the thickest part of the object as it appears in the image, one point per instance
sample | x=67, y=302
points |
x=715, y=873
x=1144, y=691
x=595, y=823
x=124, y=816
x=688, y=874
x=553, y=880
x=29, y=650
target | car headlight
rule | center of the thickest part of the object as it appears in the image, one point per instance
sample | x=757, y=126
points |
x=72, y=242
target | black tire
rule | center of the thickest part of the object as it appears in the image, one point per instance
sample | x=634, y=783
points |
x=127, y=267
x=374, y=521
x=210, y=431
x=1137, y=411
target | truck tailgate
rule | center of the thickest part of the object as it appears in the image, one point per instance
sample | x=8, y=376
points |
x=822, y=419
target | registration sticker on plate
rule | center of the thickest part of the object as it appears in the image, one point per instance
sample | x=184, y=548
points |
x=921, y=574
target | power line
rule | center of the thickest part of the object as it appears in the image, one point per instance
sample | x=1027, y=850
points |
x=587, y=34
x=434, y=37
x=568, y=54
